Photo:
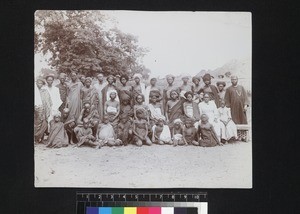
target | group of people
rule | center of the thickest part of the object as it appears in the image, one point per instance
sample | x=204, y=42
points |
x=106, y=114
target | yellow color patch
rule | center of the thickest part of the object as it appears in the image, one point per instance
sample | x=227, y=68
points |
x=129, y=210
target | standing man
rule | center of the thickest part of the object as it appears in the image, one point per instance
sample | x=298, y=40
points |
x=236, y=99
x=54, y=95
x=63, y=91
x=99, y=86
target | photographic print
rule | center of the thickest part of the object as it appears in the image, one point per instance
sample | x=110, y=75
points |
x=140, y=99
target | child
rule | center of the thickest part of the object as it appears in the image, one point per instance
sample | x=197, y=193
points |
x=230, y=127
x=140, y=129
x=106, y=134
x=69, y=124
x=139, y=99
x=177, y=133
x=208, y=135
x=89, y=93
x=85, y=135
x=126, y=109
x=57, y=135
x=190, y=108
x=124, y=129
x=190, y=135
x=112, y=109
x=161, y=133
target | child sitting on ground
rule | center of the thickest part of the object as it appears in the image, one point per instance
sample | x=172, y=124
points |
x=190, y=134
x=208, y=136
x=85, y=135
x=124, y=129
x=177, y=133
x=106, y=134
x=161, y=133
x=140, y=129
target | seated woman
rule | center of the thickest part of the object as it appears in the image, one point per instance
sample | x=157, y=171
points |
x=112, y=109
x=161, y=133
x=230, y=127
x=57, y=135
x=177, y=133
x=91, y=113
x=156, y=109
x=106, y=134
x=210, y=109
x=208, y=137
x=140, y=129
x=85, y=135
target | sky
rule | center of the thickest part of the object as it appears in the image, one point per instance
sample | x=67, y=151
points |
x=185, y=42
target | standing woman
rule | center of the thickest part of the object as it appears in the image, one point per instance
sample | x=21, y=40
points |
x=54, y=95
x=221, y=88
x=125, y=91
x=196, y=89
x=99, y=86
x=211, y=90
x=138, y=87
x=111, y=81
x=167, y=91
x=42, y=109
x=73, y=99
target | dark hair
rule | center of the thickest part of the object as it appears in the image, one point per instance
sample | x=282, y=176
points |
x=124, y=76
x=187, y=93
x=143, y=97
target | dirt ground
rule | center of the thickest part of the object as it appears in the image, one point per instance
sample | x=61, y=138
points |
x=228, y=166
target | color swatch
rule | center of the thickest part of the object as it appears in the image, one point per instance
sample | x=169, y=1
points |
x=147, y=210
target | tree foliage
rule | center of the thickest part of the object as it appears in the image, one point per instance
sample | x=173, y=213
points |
x=77, y=41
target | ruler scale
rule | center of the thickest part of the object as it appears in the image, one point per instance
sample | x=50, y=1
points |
x=141, y=203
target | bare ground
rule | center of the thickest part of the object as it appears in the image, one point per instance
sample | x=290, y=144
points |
x=228, y=166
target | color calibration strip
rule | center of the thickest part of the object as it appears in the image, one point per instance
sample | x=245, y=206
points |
x=141, y=203
x=202, y=209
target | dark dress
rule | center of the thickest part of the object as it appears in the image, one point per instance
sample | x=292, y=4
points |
x=208, y=137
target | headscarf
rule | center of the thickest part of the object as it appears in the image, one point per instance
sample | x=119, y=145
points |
x=49, y=75
x=113, y=91
x=88, y=79
x=137, y=75
x=221, y=83
x=41, y=80
x=171, y=76
x=177, y=121
x=196, y=78
x=56, y=114
x=62, y=75
x=185, y=77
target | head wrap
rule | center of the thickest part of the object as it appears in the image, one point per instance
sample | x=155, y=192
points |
x=62, y=75
x=40, y=79
x=221, y=83
x=137, y=75
x=88, y=79
x=234, y=76
x=177, y=121
x=111, y=76
x=56, y=114
x=153, y=78
x=196, y=78
x=112, y=91
x=49, y=75
x=170, y=76
x=66, y=110
x=99, y=74
x=188, y=119
x=185, y=77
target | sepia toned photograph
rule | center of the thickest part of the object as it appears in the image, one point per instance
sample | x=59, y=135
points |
x=140, y=99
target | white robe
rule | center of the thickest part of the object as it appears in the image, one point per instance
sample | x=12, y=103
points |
x=230, y=128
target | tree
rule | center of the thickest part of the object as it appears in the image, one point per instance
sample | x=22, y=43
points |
x=77, y=41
